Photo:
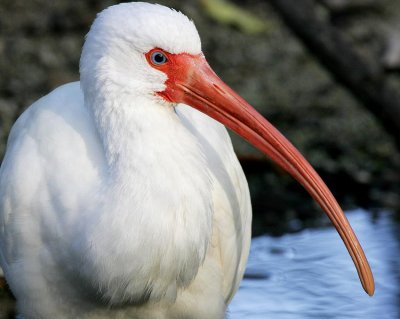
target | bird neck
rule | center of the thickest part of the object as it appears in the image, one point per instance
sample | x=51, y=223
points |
x=158, y=202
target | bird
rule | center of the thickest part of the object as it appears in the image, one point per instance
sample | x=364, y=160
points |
x=121, y=195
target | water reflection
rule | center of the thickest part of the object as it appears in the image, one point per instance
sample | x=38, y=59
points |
x=310, y=274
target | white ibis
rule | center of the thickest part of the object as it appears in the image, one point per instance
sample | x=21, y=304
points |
x=119, y=198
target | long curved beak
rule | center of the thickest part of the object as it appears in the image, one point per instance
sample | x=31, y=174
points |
x=193, y=82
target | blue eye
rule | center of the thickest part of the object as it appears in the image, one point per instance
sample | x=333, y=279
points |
x=158, y=58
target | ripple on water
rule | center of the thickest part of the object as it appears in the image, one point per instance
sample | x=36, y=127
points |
x=310, y=274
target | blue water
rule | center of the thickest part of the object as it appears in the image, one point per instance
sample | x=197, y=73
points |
x=310, y=274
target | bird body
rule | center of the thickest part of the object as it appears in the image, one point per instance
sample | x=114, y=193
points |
x=77, y=210
x=119, y=198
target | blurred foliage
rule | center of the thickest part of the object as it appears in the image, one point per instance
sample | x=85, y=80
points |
x=226, y=12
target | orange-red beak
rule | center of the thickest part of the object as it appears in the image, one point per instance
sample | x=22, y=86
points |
x=192, y=81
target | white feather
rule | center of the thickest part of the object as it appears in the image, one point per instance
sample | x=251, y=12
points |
x=115, y=205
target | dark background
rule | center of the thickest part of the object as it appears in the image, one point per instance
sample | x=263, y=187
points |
x=270, y=66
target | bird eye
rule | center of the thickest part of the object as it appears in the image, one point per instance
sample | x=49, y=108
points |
x=158, y=58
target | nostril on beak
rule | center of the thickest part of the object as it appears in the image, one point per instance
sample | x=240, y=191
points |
x=220, y=91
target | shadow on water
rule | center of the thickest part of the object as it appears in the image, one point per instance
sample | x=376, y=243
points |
x=310, y=274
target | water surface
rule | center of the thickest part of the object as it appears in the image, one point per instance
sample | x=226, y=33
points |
x=310, y=274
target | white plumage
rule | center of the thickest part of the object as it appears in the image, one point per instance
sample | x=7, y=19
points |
x=116, y=201
x=122, y=201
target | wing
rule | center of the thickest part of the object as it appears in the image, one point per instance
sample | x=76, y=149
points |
x=52, y=159
x=232, y=205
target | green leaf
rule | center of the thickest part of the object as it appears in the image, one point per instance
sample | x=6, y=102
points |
x=225, y=12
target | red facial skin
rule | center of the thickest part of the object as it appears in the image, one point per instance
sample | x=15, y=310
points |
x=192, y=81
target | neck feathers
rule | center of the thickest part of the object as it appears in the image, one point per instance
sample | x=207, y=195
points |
x=155, y=219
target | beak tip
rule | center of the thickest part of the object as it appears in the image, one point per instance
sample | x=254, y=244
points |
x=370, y=290
x=369, y=285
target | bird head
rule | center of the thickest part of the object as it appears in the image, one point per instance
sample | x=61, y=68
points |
x=141, y=49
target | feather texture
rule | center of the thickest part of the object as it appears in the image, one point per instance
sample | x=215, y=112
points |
x=114, y=204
